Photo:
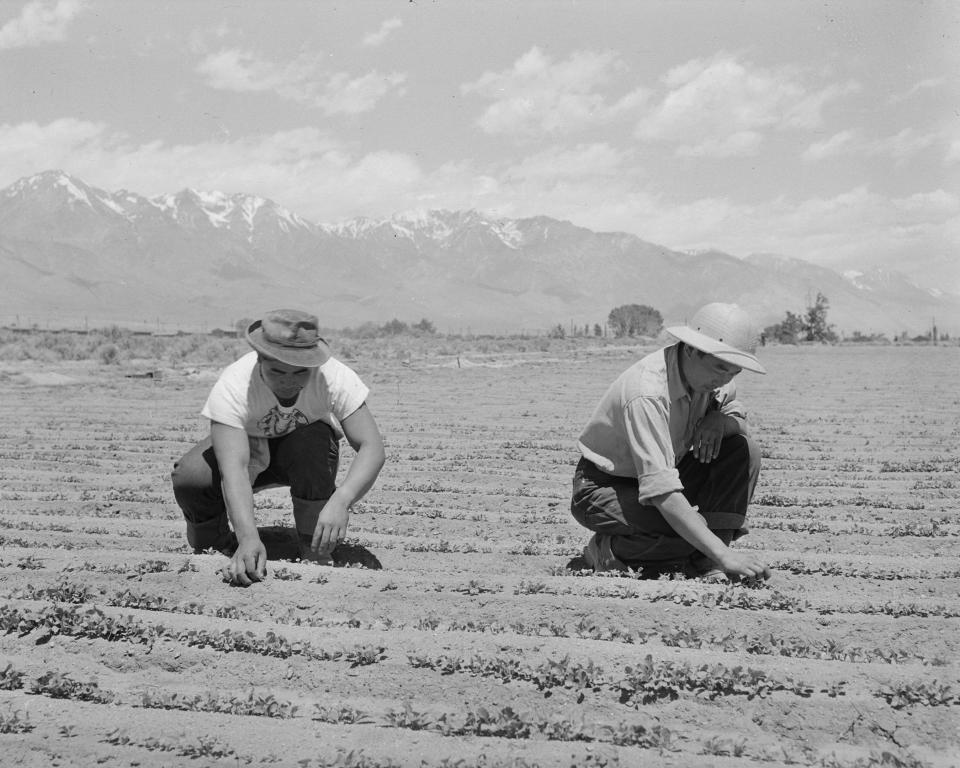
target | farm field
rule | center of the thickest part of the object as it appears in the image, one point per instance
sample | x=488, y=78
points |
x=454, y=633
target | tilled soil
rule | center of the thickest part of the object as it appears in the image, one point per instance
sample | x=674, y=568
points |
x=457, y=628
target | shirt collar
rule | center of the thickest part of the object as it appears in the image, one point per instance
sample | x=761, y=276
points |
x=675, y=385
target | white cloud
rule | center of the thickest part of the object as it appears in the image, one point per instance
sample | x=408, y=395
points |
x=899, y=147
x=902, y=145
x=857, y=228
x=739, y=144
x=953, y=152
x=579, y=162
x=303, y=80
x=303, y=169
x=386, y=29
x=836, y=145
x=930, y=84
x=350, y=96
x=39, y=22
x=722, y=106
x=538, y=96
x=26, y=148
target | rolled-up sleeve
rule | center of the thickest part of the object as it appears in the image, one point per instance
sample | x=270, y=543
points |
x=647, y=425
x=226, y=405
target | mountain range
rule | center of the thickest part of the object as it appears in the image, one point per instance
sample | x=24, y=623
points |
x=72, y=253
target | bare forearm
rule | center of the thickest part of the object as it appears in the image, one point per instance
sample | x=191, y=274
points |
x=238, y=496
x=362, y=474
x=690, y=524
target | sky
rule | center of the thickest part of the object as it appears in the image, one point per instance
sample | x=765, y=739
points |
x=827, y=131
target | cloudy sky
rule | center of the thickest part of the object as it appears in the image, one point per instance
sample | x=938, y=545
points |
x=828, y=131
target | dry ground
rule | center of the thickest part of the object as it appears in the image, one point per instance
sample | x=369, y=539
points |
x=453, y=634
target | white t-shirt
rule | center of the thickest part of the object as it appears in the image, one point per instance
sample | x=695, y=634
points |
x=242, y=399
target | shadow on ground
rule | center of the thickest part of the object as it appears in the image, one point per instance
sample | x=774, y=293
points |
x=578, y=563
x=281, y=544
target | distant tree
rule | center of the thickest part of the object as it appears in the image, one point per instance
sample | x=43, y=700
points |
x=115, y=332
x=788, y=331
x=557, y=332
x=859, y=336
x=366, y=330
x=812, y=326
x=597, y=330
x=425, y=326
x=394, y=327
x=635, y=320
x=815, y=325
x=241, y=326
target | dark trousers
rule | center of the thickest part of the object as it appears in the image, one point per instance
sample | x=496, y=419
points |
x=640, y=536
x=305, y=459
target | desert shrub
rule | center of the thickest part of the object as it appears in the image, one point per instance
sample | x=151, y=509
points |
x=108, y=354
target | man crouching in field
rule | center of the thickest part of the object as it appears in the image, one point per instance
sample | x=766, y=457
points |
x=668, y=469
x=275, y=417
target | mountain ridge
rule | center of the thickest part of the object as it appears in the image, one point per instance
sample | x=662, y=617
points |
x=199, y=258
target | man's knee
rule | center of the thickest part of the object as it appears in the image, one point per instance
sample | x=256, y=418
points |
x=196, y=485
x=738, y=444
x=307, y=460
x=178, y=477
x=312, y=444
x=753, y=461
x=596, y=502
x=742, y=448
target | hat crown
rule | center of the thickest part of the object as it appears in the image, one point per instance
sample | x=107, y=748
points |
x=728, y=324
x=290, y=336
x=290, y=328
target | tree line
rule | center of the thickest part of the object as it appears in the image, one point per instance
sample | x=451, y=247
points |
x=811, y=326
x=643, y=320
x=626, y=320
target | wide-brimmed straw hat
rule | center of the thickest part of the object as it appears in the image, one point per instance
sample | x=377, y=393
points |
x=290, y=336
x=724, y=331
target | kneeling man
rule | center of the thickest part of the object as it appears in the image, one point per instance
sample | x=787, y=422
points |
x=667, y=467
x=276, y=418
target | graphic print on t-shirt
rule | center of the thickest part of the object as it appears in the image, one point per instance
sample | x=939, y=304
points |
x=279, y=422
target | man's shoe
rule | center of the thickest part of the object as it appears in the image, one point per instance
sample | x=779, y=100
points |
x=226, y=544
x=701, y=567
x=599, y=555
x=714, y=576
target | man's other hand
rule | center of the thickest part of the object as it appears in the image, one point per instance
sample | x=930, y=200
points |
x=248, y=564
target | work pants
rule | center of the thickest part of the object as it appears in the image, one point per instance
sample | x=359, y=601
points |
x=305, y=460
x=640, y=536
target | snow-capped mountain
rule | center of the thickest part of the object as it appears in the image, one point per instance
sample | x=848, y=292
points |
x=71, y=251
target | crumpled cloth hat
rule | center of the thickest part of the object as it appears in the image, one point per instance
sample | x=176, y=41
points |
x=290, y=336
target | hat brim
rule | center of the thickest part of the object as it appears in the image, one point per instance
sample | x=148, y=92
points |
x=716, y=348
x=302, y=357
